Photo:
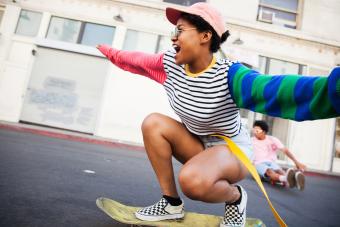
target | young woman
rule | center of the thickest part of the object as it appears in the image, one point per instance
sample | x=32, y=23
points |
x=206, y=93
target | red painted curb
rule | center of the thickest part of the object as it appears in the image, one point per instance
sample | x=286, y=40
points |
x=316, y=174
x=60, y=135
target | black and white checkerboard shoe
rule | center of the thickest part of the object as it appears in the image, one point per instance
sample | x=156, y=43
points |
x=161, y=210
x=235, y=214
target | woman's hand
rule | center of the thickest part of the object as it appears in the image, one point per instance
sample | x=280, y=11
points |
x=301, y=166
x=104, y=49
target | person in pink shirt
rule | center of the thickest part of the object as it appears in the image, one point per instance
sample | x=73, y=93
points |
x=265, y=149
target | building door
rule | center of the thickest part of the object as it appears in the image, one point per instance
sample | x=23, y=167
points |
x=64, y=90
x=336, y=157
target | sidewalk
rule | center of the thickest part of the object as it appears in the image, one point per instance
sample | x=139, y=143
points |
x=86, y=138
x=68, y=135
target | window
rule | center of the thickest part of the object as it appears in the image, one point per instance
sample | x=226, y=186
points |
x=278, y=127
x=64, y=29
x=75, y=31
x=184, y=2
x=2, y=12
x=276, y=66
x=281, y=12
x=28, y=23
x=163, y=44
x=140, y=41
x=95, y=33
x=337, y=138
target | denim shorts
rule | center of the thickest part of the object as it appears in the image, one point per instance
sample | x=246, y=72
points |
x=242, y=140
x=264, y=166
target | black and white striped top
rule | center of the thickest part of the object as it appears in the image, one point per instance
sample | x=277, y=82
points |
x=203, y=103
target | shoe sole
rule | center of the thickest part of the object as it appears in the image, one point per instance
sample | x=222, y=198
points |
x=222, y=225
x=159, y=218
x=291, y=178
x=300, y=181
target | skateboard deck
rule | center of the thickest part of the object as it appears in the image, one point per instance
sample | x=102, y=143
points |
x=126, y=214
x=274, y=183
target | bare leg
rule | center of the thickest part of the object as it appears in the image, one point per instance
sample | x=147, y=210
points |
x=274, y=176
x=208, y=176
x=163, y=138
x=281, y=172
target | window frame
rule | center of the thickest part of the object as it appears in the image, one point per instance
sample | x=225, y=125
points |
x=81, y=31
x=18, y=21
x=49, y=26
x=2, y=8
x=183, y=2
x=155, y=34
x=267, y=64
x=297, y=12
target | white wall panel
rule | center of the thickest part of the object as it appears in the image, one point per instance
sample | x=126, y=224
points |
x=128, y=99
x=312, y=142
x=12, y=83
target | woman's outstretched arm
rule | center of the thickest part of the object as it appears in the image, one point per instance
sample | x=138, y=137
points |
x=292, y=97
x=149, y=65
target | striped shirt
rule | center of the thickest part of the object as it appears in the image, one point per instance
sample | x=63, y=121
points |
x=203, y=103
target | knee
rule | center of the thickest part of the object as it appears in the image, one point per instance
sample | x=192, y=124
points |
x=193, y=185
x=151, y=122
x=270, y=173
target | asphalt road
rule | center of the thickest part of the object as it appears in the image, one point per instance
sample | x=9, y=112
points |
x=51, y=182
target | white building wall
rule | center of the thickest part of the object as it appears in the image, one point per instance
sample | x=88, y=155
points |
x=128, y=98
x=312, y=142
x=245, y=10
x=15, y=64
x=321, y=19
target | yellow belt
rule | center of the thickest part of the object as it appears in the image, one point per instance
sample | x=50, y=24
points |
x=245, y=160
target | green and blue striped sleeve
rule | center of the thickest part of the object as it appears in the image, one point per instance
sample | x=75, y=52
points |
x=292, y=97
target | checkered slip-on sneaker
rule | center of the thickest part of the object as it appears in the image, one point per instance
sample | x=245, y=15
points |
x=235, y=214
x=290, y=174
x=300, y=180
x=161, y=210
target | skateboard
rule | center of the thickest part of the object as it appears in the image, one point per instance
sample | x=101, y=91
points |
x=126, y=214
x=274, y=183
x=278, y=183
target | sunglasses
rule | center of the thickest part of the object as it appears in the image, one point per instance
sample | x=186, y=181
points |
x=257, y=130
x=178, y=31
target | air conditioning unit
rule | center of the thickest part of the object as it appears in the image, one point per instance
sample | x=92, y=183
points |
x=266, y=16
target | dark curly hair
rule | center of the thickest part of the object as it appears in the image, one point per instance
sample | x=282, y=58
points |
x=203, y=26
x=262, y=124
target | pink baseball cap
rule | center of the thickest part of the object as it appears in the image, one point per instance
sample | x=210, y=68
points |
x=202, y=9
